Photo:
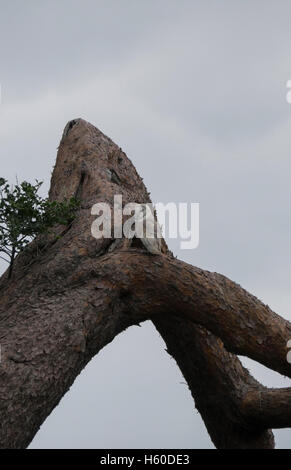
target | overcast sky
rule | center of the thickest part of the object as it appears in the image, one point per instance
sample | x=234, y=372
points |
x=195, y=93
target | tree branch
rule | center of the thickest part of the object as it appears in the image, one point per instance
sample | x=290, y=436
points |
x=165, y=285
x=268, y=408
x=217, y=381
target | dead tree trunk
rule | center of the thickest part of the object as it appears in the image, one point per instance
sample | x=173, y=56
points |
x=71, y=295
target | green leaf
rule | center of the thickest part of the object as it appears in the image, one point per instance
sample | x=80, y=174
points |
x=24, y=215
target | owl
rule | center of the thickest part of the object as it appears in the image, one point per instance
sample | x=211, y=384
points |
x=149, y=228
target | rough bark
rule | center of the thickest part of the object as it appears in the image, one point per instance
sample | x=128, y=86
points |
x=70, y=295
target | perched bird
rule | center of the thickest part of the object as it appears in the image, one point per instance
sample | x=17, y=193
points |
x=148, y=229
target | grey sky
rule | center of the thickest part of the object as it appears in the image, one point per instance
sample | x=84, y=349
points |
x=195, y=93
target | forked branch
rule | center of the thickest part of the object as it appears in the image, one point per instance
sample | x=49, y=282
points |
x=75, y=295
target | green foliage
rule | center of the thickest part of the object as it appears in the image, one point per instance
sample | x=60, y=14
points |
x=24, y=215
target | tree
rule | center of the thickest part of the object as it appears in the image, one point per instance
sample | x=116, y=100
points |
x=66, y=304
x=24, y=215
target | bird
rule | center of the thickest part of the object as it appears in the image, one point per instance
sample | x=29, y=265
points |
x=145, y=222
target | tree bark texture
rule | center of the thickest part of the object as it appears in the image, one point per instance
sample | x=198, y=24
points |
x=71, y=294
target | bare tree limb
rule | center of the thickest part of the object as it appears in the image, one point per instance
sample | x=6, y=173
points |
x=268, y=408
x=218, y=383
x=246, y=326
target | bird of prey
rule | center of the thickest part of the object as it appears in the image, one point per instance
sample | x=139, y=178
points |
x=148, y=229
